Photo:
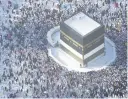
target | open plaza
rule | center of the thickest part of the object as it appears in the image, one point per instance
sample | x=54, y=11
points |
x=33, y=65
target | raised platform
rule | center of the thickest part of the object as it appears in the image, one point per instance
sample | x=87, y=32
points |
x=70, y=63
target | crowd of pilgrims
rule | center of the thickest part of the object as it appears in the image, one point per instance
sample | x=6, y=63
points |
x=26, y=70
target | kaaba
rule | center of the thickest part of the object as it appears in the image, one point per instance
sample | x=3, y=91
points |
x=82, y=38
